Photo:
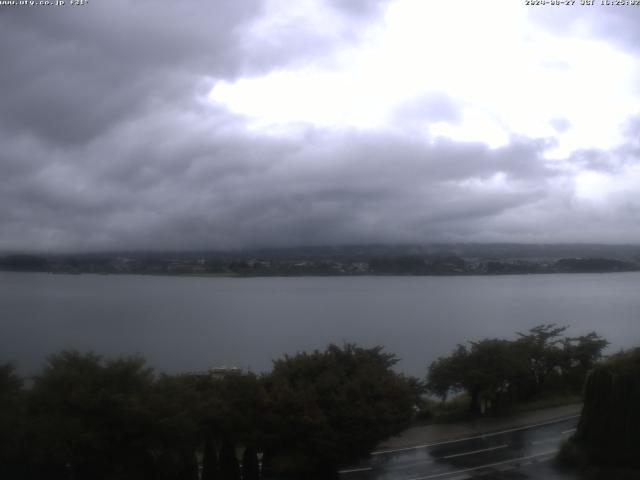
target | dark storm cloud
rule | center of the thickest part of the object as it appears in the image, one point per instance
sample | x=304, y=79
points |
x=108, y=142
x=197, y=180
x=69, y=74
x=72, y=73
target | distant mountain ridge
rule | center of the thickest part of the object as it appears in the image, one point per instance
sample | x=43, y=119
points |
x=428, y=259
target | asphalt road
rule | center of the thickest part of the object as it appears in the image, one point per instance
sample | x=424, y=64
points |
x=515, y=453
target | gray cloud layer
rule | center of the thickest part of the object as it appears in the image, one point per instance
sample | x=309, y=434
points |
x=107, y=142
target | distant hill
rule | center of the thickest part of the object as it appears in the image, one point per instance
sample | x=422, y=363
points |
x=24, y=263
x=427, y=259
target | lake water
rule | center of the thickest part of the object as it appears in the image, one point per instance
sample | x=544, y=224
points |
x=187, y=323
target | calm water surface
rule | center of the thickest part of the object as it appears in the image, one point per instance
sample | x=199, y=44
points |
x=185, y=323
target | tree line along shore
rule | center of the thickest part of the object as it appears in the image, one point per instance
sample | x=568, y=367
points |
x=342, y=265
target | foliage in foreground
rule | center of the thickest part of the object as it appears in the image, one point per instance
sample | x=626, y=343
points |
x=86, y=417
x=607, y=435
x=346, y=397
x=498, y=373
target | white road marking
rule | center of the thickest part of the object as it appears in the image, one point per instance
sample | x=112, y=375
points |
x=427, y=461
x=488, y=465
x=354, y=470
x=475, y=437
x=571, y=430
x=475, y=451
x=435, y=459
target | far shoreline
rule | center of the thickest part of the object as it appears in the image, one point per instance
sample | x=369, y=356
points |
x=318, y=275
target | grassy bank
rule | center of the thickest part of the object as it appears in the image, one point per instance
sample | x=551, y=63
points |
x=456, y=409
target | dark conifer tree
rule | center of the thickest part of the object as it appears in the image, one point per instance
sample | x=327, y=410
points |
x=610, y=420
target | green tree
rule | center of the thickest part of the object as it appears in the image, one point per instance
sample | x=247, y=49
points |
x=229, y=467
x=12, y=439
x=328, y=407
x=608, y=429
x=445, y=375
x=210, y=460
x=175, y=434
x=488, y=371
x=543, y=346
x=495, y=373
x=90, y=417
x=241, y=406
x=581, y=355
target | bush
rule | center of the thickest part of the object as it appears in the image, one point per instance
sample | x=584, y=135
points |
x=610, y=420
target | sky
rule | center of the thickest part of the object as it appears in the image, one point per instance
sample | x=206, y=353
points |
x=223, y=124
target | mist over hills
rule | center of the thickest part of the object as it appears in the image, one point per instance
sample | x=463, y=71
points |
x=497, y=250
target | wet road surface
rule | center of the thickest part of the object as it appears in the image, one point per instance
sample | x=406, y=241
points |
x=516, y=453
